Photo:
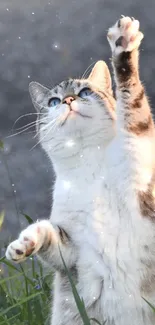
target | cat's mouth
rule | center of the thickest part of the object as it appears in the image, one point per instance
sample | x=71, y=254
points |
x=72, y=112
x=78, y=113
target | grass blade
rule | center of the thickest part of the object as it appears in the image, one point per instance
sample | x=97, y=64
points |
x=29, y=219
x=11, y=318
x=9, y=278
x=2, y=214
x=1, y=144
x=19, y=303
x=25, y=276
x=151, y=306
x=3, y=260
x=79, y=302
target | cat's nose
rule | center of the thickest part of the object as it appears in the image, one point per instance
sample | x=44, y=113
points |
x=68, y=100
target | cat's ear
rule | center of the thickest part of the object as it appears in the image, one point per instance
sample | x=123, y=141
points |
x=100, y=75
x=38, y=93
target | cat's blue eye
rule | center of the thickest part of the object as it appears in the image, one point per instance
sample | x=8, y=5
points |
x=54, y=102
x=85, y=92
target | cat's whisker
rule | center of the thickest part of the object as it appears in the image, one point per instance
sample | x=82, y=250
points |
x=32, y=123
x=21, y=131
x=51, y=122
x=54, y=122
x=40, y=140
x=30, y=132
x=17, y=133
x=44, y=127
x=24, y=126
x=28, y=114
x=37, y=133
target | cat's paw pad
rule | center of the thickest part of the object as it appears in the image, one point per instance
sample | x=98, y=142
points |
x=125, y=36
x=29, y=241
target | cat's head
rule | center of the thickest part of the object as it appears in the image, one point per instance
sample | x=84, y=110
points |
x=81, y=109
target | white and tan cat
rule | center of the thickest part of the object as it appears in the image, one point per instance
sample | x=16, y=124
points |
x=76, y=123
x=107, y=233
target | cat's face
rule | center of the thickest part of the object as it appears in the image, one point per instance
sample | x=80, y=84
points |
x=74, y=108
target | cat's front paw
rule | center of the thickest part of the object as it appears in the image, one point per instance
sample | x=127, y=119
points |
x=30, y=241
x=124, y=36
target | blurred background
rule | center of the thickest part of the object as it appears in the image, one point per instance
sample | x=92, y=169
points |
x=48, y=41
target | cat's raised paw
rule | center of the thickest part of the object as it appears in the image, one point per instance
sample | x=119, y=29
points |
x=29, y=242
x=124, y=36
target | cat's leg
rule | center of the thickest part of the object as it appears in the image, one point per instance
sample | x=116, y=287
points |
x=135, y=126
x=135, y=141
x=64, y=310
x=43, y=239
x=133, y=110
x=46, y=241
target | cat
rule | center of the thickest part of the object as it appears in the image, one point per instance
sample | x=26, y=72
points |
x=76, y=123
x=115, y=239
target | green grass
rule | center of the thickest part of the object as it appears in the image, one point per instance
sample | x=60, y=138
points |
x=25, y=294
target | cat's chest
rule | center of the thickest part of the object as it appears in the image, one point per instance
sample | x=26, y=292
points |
x=75, y=199
x=80, y=187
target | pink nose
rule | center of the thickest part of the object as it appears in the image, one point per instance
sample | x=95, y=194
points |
x=68, y=100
